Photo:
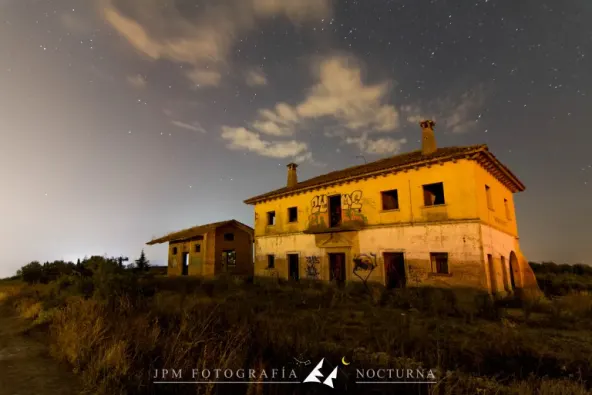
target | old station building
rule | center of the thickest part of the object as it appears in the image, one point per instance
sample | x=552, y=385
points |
x=209, y=250
x=436, y=216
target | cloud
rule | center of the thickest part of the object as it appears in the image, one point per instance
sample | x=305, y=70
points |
x=340, y=93
x=243, y=139
x=279, y=121
x=255, y=77
x=454, y=113
x=195, y=127
x=204, y=41
x=204, y=77
x=137, y=81
x=459, y=116
x=380, y=146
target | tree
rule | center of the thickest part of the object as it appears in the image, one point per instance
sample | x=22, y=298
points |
x=32, y=273
x=142, y=263
x=122, y=259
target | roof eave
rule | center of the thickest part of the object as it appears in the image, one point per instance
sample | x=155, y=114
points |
x=263, y=197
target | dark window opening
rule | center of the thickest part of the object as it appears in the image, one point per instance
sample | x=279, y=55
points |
x=228, y=236
x=507, y=207
x=488, y=196
x=271, y=218
x=293, y=214
x=270, y=261
x=334, y=211
x=433, y=194
x=197, y=247
x=174, y=250
x=439, y=262
x=390, y=200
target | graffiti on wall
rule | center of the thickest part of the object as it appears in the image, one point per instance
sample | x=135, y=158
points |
x=312, y=270
x=351, y=209
x=364, y=263
x=318, y=212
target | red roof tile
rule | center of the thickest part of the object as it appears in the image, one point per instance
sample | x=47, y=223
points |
x=387, y=164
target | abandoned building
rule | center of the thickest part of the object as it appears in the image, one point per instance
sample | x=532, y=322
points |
x=435, y=216
x=209, y=250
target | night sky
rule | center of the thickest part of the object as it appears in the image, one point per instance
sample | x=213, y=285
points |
x=122, y=120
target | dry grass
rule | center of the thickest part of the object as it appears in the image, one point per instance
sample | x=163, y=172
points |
x=114, y=339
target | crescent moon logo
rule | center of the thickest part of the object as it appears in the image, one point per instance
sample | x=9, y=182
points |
x=343, y=361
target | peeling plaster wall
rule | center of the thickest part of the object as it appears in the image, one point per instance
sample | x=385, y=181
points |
x=460, y=240
x=499, y=244
x=195, y=258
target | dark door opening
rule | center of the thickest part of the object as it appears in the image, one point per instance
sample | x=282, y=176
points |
x=394, y=269
x=337, y=267
x=185, y=263
x=228, y=260
x=293, y=267
x=334, y=211
x=492, y=274
x=513, y=269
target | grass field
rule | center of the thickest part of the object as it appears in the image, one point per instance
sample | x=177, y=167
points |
x=115, y=329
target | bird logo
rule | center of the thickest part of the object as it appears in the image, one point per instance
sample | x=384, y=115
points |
x=315, y=375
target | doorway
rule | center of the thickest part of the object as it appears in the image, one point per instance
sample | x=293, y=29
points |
x=185, y=264
x=337, y=267
x=334, y=211
x=492, y=275
x=228, y=260
x=293, y=267
x=394, y=270
x=514, y=273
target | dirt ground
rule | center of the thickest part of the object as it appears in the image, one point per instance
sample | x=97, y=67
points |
x=25, y=365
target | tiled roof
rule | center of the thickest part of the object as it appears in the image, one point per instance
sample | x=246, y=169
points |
x=196, y=231
x=387, y=164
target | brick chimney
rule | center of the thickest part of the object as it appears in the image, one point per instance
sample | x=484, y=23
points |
x=428, y=140
x=292, y=176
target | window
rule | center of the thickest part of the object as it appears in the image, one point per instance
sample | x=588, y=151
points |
x=439, y=262
x=271, y=218
x=334, y=211
x=507, y=208
x=293, y=214
x=228, y=236
x=433, y=194
x=390, y=200
x=270, y=261
x=488, y=196
x=198, y=248
x=174, y=250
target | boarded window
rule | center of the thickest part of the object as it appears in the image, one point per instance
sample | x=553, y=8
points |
x=174, y=250
x=439, y=262
x=271, y=218
x=293, y=214
x=433, y=194
x=507, y=208
x=197, y=247
x=488, y=196
x=390, y=200
x=228, y=236
x=270, y=261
